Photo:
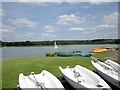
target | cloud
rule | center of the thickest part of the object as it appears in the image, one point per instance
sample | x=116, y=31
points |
x=111, y=19
x=40, y=1
x=97, y=2
x=45, y=35
x=104, y=26
x=23, y=22
x=76, y=29
x=83, y=30
x=76, y=18
x=70, y=19
x=61, y=1
x=26, y=35
x=50, y=29
x=6, y=29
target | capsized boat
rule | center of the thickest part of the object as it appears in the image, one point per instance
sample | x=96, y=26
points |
x=107, y=72
x=81, y=77
x=43, y=81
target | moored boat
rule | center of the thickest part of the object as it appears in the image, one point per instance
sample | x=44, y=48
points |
x=55, y=45
x=81, y=78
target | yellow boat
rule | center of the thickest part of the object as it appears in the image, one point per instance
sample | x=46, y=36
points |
x=97, y=50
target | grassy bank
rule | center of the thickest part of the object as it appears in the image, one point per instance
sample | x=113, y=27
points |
x=12, y=68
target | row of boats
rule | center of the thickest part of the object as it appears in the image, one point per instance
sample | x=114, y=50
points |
x=103, y=49
x=78, y=77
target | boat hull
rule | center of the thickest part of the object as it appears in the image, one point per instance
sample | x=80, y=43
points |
x=109, y=79
x=107, y=75
x=85, y=80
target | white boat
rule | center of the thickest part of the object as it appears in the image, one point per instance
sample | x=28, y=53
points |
x=81, y=78
x=107, y=72
x=55, y=45
x=113, y=64
x=43, y=81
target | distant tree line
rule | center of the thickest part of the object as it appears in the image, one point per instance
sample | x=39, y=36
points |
x=60, y=42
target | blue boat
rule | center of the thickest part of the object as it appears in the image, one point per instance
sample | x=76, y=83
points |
x=68, y=54
x=86, y=55
x=73, y=54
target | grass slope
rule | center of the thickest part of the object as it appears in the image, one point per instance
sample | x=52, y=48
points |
x=12, y=68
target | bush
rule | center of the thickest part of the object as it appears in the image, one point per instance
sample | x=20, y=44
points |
x=50, y=54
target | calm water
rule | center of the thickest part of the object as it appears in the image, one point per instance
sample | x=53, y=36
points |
x=18, y=52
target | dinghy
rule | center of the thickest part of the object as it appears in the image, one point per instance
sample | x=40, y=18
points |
x=113, y=64
x=43, y=81
x=55, y=45
x=81, y=77
x=107, y=72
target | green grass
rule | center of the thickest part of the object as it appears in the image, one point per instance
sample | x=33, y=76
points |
x=108, y=55
x=12, y=68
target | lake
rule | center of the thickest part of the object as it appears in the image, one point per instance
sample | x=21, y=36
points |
x=19, y=52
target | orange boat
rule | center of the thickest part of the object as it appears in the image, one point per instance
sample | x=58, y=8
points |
x=97, y=50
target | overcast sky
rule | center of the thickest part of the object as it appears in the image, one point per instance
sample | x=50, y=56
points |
x=22, y=21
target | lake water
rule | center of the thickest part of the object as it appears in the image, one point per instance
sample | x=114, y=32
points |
x=19, y=52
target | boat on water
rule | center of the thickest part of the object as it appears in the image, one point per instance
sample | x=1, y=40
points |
x=55, y=45
x=108, y=72
x=43, y=81
x=82, y=78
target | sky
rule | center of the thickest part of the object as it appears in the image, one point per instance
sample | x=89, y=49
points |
x=39, y=21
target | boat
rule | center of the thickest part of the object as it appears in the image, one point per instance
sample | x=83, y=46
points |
x=98, y=50
x=43, y=81
x=82, y=78
x=115, y=65
x=68, y=54
x=107, y=72
x=86, y=55
x=55, y=45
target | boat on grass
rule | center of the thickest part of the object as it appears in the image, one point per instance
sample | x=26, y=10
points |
x=107, y=72
x=67, y=54
x=62, y=54
x=86, y=55
x=98, y=50
x=81, y=78
x=43, y=81
x=113, y=64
